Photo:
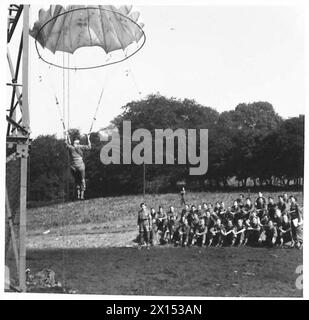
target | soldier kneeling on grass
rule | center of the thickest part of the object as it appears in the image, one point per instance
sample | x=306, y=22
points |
x=240, y=230
x=144, y=225
x=182, y=233
x=199, y=236
x=230, y=234
x=285, y=235
x=253, y=232
x=172, y=219
x=271, y=234
x=216, y=234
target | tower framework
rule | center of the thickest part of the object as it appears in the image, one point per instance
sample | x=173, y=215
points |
x=17, y=147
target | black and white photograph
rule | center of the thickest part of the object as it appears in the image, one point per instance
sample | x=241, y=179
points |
x=154, y=150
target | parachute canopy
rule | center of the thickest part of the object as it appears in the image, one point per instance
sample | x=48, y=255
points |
x=76, y=26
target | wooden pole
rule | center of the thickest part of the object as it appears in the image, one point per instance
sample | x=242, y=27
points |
x=10, y=231
x=144, y=180
x=24, y=159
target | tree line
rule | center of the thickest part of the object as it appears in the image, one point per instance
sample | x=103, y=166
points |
x=250, y=144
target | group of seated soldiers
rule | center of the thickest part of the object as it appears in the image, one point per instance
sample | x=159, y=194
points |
x=263, y=223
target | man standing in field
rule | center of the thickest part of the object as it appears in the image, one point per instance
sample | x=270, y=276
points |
x=182, y=196
x=172, y=219
x=296, y=222
x=77, y=164
x=144, y=222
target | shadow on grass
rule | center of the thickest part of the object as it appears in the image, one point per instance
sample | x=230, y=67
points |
x=173, y=271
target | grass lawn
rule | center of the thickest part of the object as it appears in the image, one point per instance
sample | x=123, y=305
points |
x=90, y=247
x=239, y=272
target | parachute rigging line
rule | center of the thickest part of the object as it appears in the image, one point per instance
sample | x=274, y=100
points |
x=96, y=110
x=134, y=80
x=56, y=102
x=99, y=102
x=96, y=66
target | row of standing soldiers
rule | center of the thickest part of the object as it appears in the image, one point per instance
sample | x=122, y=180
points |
x=262, y=223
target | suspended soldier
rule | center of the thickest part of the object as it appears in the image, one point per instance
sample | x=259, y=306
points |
x=77, y=164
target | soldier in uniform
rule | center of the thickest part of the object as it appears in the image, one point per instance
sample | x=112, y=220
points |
x=205, y=207
x=240, y=230
x=191, y=215
x=200, y=232
x=229, y=236
x=183, y=233
x=162, y=223
x=281, y=204
x=296, y=222
x=236, y=211
x=241, y=201
x=216, y=234
x=286, y=198
x=222, y=212
x=271, y=208
x=285, y=234
x=217, y=208
x=144, y=224
x=182, y=196
x=260, y=198
x=171, y=223
x=261, y=208
x=199, y=210
x=154, y=229
x=253, y=232
x=77, y=165
x=271, y=234
x=246, y=210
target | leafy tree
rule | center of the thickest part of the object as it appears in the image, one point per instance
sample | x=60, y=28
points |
x=49, y=172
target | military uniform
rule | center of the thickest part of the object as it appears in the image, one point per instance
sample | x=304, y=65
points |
x=144, y=223
x=171, y=224
x=282, y=207
x=183, y=234
x=297, y=230
x=240, y=234
x=77, y=167
x=271, y=235
x=271, y=208
x=230, y=237
x=253, y=233
x=216, y=234
x=285, y=232
x=261, y=209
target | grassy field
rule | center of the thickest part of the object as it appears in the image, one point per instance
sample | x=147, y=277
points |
x=90, y=245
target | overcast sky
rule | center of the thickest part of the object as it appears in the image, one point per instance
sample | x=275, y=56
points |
x=218, y=55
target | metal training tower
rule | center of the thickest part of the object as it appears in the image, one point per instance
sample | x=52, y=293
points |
x=17, y=147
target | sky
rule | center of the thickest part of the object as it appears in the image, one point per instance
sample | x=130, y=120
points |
x=218, y=55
